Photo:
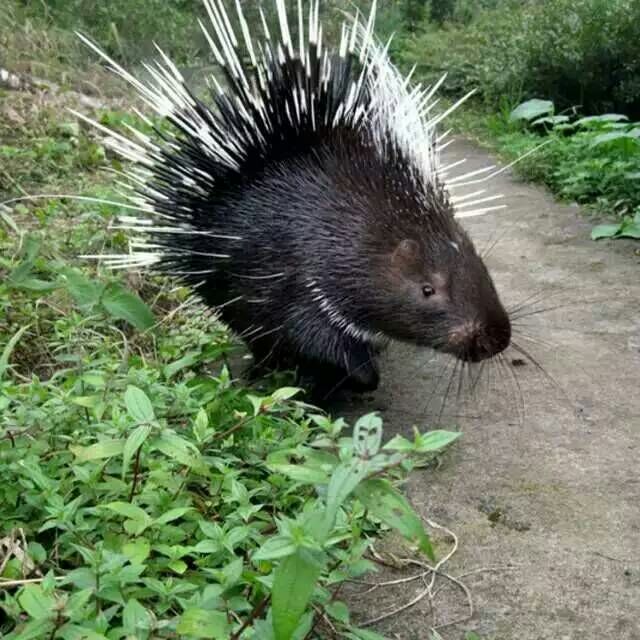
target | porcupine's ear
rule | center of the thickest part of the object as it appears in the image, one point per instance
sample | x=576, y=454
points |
x=406, y=259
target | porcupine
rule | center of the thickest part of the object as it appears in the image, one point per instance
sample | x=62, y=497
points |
x=307, y=203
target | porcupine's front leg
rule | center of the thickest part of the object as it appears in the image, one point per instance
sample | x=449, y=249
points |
x=356, y=370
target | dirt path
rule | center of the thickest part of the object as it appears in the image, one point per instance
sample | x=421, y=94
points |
x=557, y=494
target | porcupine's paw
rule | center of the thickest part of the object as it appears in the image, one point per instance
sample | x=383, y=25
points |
x=326, y=383
x=363, y=372
x=365, y=380
x=322, y=382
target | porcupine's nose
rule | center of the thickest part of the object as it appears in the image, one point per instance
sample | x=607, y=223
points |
x=476, y=341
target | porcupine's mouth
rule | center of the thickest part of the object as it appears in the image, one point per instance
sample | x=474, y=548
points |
x=473, y=342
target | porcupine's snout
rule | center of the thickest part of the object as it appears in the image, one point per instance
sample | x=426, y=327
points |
x=477, y=340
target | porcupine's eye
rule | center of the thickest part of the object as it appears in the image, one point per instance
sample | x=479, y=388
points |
x=428, y=290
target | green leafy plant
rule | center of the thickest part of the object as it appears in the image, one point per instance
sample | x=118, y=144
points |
x=628, y=228
x=592, y=160
x=197, y=509
x=112, y=299
x=604, y=151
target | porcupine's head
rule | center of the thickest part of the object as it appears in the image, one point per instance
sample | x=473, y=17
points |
x=351, y=119
x=425, y=283
x=433, y=289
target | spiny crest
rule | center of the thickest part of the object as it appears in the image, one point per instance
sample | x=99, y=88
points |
x=294, y=93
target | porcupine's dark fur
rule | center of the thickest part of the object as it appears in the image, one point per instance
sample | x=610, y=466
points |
x=308, y=224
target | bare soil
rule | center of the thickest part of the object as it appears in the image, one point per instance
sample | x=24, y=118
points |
x=544, y=486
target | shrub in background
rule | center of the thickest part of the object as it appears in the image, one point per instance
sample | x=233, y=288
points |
x=575, y=52
x=127, y=30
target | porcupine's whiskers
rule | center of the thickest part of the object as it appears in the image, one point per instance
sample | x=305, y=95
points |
x=463, y=382
x=510, y=363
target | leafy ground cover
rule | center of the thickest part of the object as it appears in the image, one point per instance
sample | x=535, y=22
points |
x=592, y=160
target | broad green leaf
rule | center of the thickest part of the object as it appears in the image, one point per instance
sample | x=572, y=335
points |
x=304, y=626
x=71, y=631
x=344, y=480
x=135, y=618
x=424, y=443
x=285, y=393
x=210, y=529
x=385, y=502
x=85, y=292
x=36, y=284
x=602, y=119
x=605, y=231
x=294, y=582
x=614, y=137
x=301, y=473
x=273, y=548
x=89, y=402
x=137, y=550
x=179, y=449
x=531, y=109
x=198, y=623
x=232, y=572
x=128, y=510
x=435, y=440
x=123, y=304
x=39, y=605
x=96, y=380
x=37, y=552
x=551, y=120
x=76, y=605
x=178, y=566
x=399, y=443
x=138, y=405
x=138, y=518
x=8, y=350
x=186, y=361
x=201, y=425
x=263, y=629
x=303, y=464
x=367, y=435
x=172, y=514
x=631, y=230
x=134, y=442
x=338, y=611
x=208, y=546
x=98, y=451
x=34, y=630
